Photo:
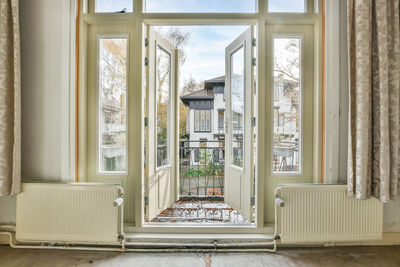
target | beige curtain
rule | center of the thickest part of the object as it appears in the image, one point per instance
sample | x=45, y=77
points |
x=10, y=99
x=374, y=85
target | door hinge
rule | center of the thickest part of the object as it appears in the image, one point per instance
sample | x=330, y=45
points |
x=253, y=201
x=146, y=121
x=146, y=61
x=254, y=42
x=253, y=121
x=146, y=42
x=254, y=61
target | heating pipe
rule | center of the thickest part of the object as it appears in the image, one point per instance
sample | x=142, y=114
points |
x=161, y=247
x=177, y=247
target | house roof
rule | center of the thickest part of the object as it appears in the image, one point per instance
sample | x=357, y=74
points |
x=206, y=93
x=219, y=79
x=202, y=94
x=209, y=84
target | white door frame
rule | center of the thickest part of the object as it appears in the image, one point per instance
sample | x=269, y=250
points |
x=160, y=180
x=239, y=180
x=136, y=20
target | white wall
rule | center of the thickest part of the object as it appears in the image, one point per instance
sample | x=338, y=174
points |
x=391, y=216
x=219, y=103
x=7, y=211
x=45, y=68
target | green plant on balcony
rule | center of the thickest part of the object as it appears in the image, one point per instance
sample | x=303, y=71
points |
x=194, y=172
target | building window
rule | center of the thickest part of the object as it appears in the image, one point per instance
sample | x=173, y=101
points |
x=202, y=120
x=220, y=120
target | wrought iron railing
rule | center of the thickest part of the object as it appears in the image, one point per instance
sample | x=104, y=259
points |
x=201, y=168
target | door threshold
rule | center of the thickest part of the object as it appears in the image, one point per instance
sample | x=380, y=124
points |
x=157, y=237
x=180, y=231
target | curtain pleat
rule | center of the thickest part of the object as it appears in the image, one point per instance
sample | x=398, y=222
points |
x=10, y=99
x=374, y=93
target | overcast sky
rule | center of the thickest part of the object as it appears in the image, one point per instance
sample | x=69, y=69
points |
x=205, y=51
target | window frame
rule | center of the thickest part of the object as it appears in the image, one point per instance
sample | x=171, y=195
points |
x=310, y=6
x=104, y=22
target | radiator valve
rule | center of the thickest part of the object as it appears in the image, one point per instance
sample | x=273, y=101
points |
x=279, y=202
x=118, y=202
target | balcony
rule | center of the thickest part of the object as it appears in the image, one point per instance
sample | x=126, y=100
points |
x=201, y=169
x=201, y=186
x=220, y=134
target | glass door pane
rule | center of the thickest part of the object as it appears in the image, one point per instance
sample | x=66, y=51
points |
x=237, y=107
x=163, y=80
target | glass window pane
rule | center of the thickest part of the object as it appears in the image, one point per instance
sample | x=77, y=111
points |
x=287, y=106
x=200, y=6
x=112, y=104
x=106, y=6
x=196, y=120
x=202, y=121
x=163, y=99
x=220, y=120
x=287, y=6
x=237, y=105
x=208, y=120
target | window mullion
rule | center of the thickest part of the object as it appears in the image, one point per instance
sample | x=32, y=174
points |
x=310, y=4
x=138, y=7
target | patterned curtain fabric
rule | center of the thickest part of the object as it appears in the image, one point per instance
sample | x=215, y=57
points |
x=10, y=99
x=374, y=91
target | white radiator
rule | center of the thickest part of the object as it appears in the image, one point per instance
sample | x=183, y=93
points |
x=76, y=213
x=324, y=213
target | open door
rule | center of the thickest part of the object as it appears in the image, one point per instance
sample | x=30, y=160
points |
x=239, y=87
x=161, y=119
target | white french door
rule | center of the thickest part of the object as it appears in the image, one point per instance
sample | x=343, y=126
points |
x=239, y=133
x=161, y=123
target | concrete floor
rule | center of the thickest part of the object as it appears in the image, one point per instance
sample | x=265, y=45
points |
x=333, y=256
